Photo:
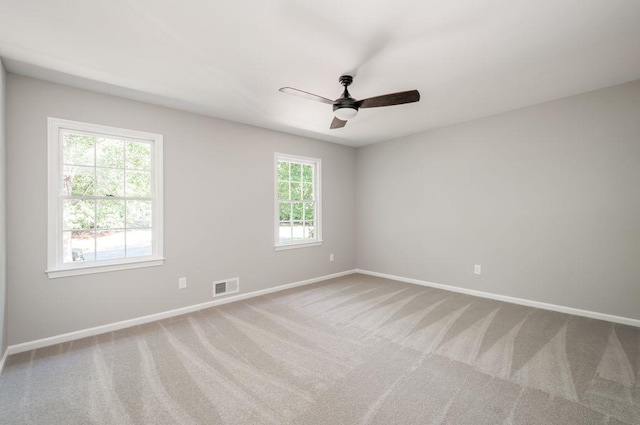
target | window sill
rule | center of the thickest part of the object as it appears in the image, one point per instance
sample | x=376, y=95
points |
x=102, y=268
x=297, y=245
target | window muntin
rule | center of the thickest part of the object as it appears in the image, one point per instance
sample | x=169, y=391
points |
x=105, y=197
x=298, y=220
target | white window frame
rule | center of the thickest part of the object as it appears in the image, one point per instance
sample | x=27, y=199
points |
x=317, y=164
x=55, y=265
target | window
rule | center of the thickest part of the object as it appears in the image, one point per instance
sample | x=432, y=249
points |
x=298, y=212
x=105, y=198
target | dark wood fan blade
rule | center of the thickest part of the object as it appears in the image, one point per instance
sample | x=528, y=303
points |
x=390, y=99
x=337, y=123
x=306, y=95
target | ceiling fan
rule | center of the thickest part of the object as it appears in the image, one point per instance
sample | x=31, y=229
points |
x=346, y=107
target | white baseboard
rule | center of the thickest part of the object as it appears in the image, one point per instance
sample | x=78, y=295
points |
x=513, y=300
x=4, y=358
x=71, y=336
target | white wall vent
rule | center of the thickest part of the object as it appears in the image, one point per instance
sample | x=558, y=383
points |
x=226, y=286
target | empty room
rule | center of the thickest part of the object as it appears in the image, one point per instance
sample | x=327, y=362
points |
x=297, y=212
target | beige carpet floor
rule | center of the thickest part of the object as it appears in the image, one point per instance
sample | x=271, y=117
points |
x=355, y=350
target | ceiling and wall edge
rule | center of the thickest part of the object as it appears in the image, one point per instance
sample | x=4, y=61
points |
x=39, y=73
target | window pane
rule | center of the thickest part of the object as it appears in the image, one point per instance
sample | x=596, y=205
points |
x=297, y=211
x=283, y=171
x=296, y=172
x=285, y=211
x=109, y=244
x=309, y=231
x=78, y=246
x=283, y=190
x=110, y=214
x=109, y=153
x=285, y=231
x=296, y=191
x=309, y=211
x=297, y=200
x=110, y=182
x=138, y=215
x=78, y=150
x=138, y=184
x=307, y=173
x=78, y=180
x=138, y=156
x=78, y=214
x=103, y=181
x=139, y=243
x=297, y=230
x=307, y=191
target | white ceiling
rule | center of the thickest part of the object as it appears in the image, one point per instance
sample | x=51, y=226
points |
x=468, y=58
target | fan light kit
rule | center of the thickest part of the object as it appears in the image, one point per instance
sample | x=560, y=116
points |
x=345, y=113
x=346, y=107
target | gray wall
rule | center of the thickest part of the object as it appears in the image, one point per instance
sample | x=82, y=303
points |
x=546, y=199
x=218, y=181
x=3, y=238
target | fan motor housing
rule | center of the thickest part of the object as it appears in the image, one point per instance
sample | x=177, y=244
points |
x=345, y=102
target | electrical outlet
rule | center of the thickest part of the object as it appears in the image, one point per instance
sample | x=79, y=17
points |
x=330, y=257
x=477, y=269
x=182, y=283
